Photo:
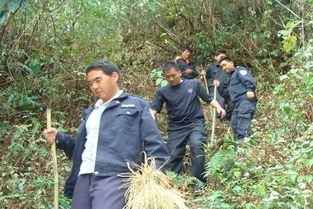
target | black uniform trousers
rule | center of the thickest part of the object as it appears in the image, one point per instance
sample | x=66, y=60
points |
x=195, y=134
x=241, y=118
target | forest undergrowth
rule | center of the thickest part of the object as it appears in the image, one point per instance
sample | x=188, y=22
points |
x=45, y=45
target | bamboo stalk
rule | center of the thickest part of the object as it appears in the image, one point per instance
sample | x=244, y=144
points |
x=207, y=90
x=55, y=165
x=213, y=141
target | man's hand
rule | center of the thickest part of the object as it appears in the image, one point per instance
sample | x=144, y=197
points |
x=50, y=135
x=188, y=71
x=221, y=111
x=177, y=58
x=216, y=82
x=218, y=108
x=250, y=95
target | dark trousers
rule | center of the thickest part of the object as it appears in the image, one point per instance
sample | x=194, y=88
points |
x=195, y=134
x=98, y=192
x=241, y=118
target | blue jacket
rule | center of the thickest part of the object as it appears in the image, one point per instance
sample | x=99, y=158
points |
x=126, y=129
x=240, y=82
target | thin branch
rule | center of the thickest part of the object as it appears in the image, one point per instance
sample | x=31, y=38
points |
x=288, y=9
x=18, y=39
x=243, y=46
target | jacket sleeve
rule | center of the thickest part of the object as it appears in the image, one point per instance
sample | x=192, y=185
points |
x=181, y=64
x=66, y=143
x=223, y=90
x=195, y=72
x=153, y=143
x=247, y=79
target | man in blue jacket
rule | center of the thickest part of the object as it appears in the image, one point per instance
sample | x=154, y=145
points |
x=113, y=134
x=186, y=119
x=240, y=90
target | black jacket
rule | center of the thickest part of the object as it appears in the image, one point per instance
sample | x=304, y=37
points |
x=183, y=66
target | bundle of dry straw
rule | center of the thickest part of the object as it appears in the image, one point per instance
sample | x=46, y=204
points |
x=149, y=188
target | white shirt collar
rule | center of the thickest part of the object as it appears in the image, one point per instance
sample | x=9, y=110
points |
x=99, y=102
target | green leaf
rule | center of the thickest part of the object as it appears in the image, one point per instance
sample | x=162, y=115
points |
x=28, y=69
x=216, y=195
x=308, y=65
x=164, y=83
x=309, y=179
x=283, y=77
x=2, y=3
x=13, y=5
x=260, y=190
x=34, y=65
x=33, y=68
x=291, y=25
x=237, y=174
x=294, y=71
x=23, y=2
x=290, y=43
x=292, y=175
x=158, y=81
x=3, y=17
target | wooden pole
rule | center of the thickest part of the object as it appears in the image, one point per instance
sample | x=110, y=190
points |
x=55, y=165
x=212, y=111
x=207, y=90
x=213, y=141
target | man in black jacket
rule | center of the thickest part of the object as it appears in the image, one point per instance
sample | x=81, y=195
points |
x=113, y=134
x=188, y=68
x=215, y=76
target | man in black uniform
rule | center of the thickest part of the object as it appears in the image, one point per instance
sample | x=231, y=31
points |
x=241, y=92
x=186, y=118
x=215, y=76
x=188, y=69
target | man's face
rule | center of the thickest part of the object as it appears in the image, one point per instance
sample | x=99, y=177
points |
x=227, y=66
x=173, y=76
x=186, y=54
x=102, y=85
x=219, y=57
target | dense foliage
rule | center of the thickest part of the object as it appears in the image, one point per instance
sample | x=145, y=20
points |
x=45, y=45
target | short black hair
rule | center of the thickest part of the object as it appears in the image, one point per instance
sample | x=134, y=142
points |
x=188, y=49
x=105, y=66
x=219, y=51
x=227, y=59
x=169, y=65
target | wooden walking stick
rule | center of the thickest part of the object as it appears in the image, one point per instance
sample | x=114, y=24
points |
x=55, y=165
x=213, y=141
x=207, y=90
x=213, y=112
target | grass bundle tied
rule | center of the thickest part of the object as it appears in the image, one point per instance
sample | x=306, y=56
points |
x=149, y=188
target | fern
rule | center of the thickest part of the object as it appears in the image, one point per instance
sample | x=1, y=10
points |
x=218, y=161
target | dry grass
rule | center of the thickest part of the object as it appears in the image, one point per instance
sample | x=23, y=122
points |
x=149, y=188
